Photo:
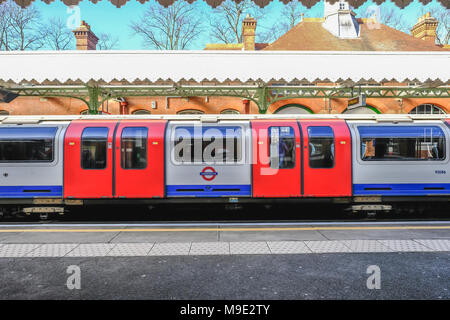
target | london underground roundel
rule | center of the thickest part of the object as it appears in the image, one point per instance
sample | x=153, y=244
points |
x=208, y=173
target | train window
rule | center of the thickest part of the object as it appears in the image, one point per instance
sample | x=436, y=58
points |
x=282, y=147
x=321, y=147
x=27, y=144
x=134, y=148
x=94, y=148
x=207, y=144
x=402, y=143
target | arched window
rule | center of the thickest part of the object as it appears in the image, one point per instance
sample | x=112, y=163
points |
x=141, y=111
x=362, y=110
x=229, y=111
x=4, y=113
x=190, y=111
x=427, y=108
x=293, y=109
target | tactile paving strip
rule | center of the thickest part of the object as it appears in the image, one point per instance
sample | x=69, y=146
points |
x=436, y=245
x=327, y=246
x=220, y=248
x=91, y=250
x=16, y=250
x=404, y=245
x=170, y=249
x=288, y=247
x=210, y=248
x=131, y=249
x=259, y=247
x=366, y=246
x=52, y=250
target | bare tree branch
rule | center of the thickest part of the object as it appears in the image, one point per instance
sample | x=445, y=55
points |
x=57, y=35
x=226, y=21
x=107, y=42
x=20, y=29
x=442, y=15
x=172, y=28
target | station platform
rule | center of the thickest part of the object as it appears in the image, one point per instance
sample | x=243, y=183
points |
x=50, y=240
x=226, y=261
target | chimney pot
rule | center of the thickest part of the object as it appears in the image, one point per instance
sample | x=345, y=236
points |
x=86, y=39
x=425, y=28
x=248, y=33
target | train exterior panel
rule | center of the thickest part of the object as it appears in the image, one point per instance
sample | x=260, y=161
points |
x=326, y=158
x=139, y=159
x=277, y=158
x=208, y=159
x=400, y=159
x=31, y=160
x=88, y=158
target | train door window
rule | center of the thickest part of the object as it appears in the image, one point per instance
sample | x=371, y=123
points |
x=134, y=148
x=207, y=144
x=282, y=147
x=27, y=144
x=94, y=142
x=321, y=147
x=402, y=143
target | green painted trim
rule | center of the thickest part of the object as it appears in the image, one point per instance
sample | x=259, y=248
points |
x=294, y=105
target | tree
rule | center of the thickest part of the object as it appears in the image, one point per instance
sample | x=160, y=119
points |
x=290, y=15
x=57, y=35
x=442, y=15
x=171, y=28
x=226, y=22
x=20, y=29
x=391, y=17
x=107, y=42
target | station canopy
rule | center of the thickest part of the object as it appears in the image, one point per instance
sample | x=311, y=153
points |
x=220, y=67
x=261, y=3
x=263, y=77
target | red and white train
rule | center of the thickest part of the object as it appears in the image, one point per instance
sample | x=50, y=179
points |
x=365, y=161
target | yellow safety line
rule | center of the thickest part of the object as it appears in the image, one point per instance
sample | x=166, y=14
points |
x=228, y=229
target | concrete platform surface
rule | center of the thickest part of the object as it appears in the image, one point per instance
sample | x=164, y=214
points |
x=401, y=275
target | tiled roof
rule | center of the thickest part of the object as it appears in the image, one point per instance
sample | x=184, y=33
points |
x=310, y=35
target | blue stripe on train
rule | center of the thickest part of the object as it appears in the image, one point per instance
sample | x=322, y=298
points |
x=209, y=190
x=402, y=189
x=30, y=191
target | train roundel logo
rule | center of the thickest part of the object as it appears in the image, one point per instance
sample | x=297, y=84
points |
x=208, y=173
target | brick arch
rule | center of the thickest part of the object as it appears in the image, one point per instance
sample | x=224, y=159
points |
x=445, y=109
x=191, y=109
x=138, y=110
x=314, y=105
x=381, y=105
x=230, y=109
x=294, y=105
x=369, y=106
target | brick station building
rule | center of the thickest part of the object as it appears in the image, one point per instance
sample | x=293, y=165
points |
x=338, y=30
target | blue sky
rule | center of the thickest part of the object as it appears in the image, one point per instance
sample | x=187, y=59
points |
x=105, y=17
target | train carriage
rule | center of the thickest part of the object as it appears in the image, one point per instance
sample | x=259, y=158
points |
x=361, y=161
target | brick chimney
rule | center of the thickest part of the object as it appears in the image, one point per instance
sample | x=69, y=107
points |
x=425, y=28
x=248, y=33
x=86, y=39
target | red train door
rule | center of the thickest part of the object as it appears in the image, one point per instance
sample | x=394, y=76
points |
x=326, y=158
x=88, y=159
x=276, y=158
x=139, y=159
